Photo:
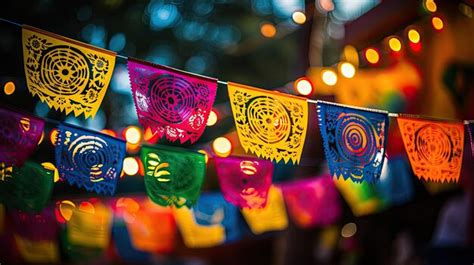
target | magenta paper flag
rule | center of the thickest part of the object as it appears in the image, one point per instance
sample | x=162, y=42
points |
x=245, y=181
x=19, y=136
x=170, y=102
x=312, y=202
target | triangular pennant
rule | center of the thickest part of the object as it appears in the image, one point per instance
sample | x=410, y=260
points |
x=89, y=159
x=212, y=209
x=66, y=74
x=312, y=202
x=170, y=102
x=354, y=140
x=270, y=218
x=19, y=136
x=271, y=125
x=435, y=148
x=245, y=182
x=173, y=176
x=27, y=188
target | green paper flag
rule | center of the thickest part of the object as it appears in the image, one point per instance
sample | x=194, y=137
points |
x=27, y=188
x=172, y=175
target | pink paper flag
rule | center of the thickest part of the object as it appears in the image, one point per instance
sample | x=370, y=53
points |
x=312, y=202
x=245, y=181
x=170, y=102
x=19, y=136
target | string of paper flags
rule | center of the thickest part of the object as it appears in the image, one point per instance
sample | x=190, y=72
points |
x=73, y=77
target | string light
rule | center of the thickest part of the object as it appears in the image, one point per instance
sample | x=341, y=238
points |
x=268, y=30
x=130, y=166
x=53, y=135
x=414, y=36
x=64, y=210
x=437, y=23
x=87, y=207
x=329, y=77
x=133, y=134
x=395, y=44
x=347, y=70
x=109, y=132
x=212, y=120
x=430, y=5
x=206, y=155
x=372, y=56
x=349, y=230
x=222, y=146
x=303, y=86
x=298, y=17
x=9, y=88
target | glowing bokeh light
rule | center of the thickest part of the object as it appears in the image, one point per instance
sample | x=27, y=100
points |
x=414, y=35
x=133, y=134
x=222, y=146
x=65, y=209
x=130, y=166
x=326, y=5
x=437, y=23
x=347, y=70
x=212, y=120
x=303, y=86
x=206, y=155
x=430, y=5
x=349, y=230
x=9, y=88
x=395, y=44
x=329, y=77
x=372, y=56
x=268, y=30
x=299, y=17
x=87, y=207
x=53, y=135
x=109, y=132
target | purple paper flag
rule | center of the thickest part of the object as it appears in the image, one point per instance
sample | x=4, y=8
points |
x=245, y=181
x=170, y=102
x=312, y=202
x=19, y=136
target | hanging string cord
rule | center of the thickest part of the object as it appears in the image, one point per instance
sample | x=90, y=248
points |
x=11, y=22
x=311, y=101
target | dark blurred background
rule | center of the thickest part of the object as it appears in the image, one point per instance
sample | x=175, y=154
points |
x=261, y=43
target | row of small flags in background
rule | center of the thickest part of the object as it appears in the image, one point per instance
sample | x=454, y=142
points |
x=134, y=228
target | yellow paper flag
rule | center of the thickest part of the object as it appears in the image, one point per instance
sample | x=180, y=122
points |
x=44, y=251
x=66, y=74
x=195, y=235
x=90, y=227
x=271, y=218
x=271, y=125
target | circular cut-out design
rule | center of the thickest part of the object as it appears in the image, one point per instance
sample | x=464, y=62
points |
x=64, y=70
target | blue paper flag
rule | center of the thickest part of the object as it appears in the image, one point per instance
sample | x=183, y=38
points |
x=354, y=140
x=89, y=159
x=212, y=209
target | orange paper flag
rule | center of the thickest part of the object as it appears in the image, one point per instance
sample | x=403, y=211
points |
x=435, y=148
